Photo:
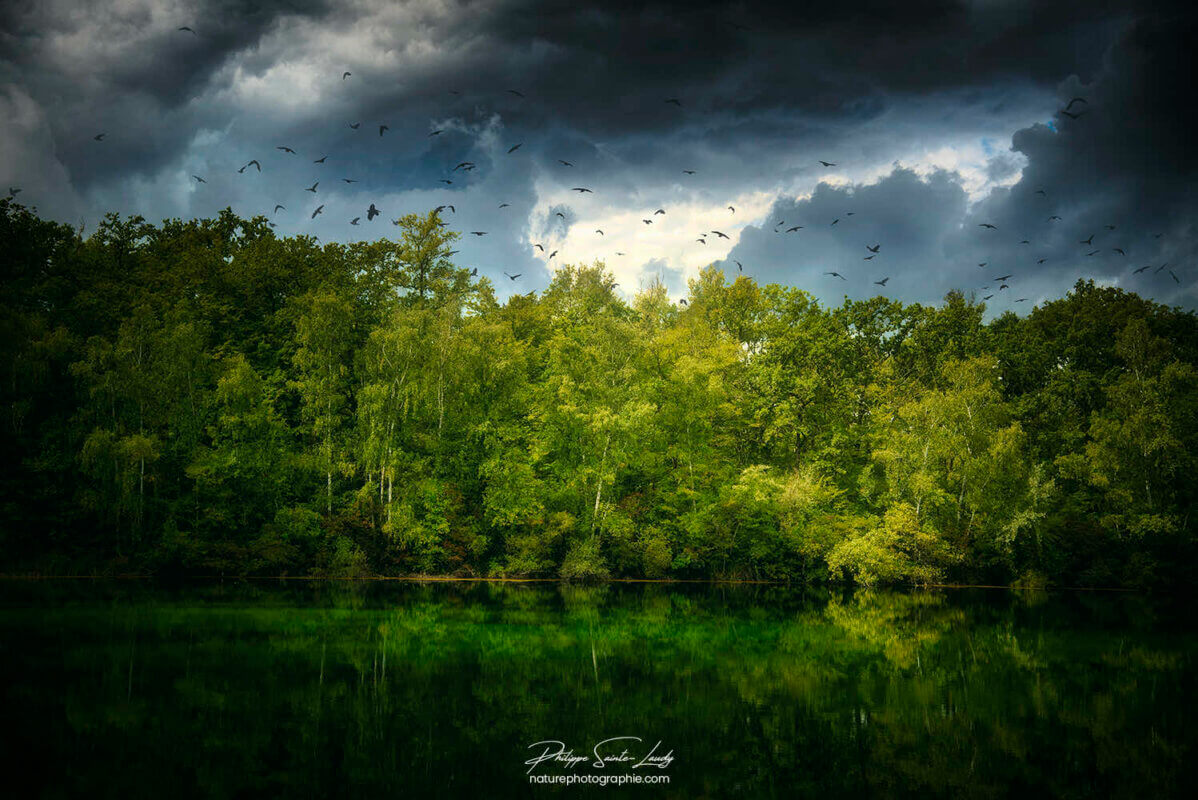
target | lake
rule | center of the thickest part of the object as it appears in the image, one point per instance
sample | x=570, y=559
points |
x=400, y=689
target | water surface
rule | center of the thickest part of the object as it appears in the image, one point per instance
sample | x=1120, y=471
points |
x=385, y=689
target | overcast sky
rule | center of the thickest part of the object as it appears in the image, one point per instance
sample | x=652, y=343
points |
x=937, y=116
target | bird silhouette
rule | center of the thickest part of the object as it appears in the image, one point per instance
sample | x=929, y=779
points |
x=873, y=249
x=1162, y=266
x=682, y=302
x=1024, y=241
x=312, y=188
x=13, y=191
x=659, y=211
x=504, y=205
x=466, y=164
x=883, y=281
x=987, y=225
x=277, y=207
x=446, y=182
x=1002, y=277
x=99, y=137
x=1088, y=241
x=1141, y=269
x=1092, y=252
x=349, y=180
x=437, y=132
x=836, y=275
x=356, y=125
x=582, y=189
x=1054, y=216
x=320, y=160
x=739, y=266
x=598, y=231
x=560, y=214
x=318, y=210
x=551, y=255
x=383, y=128
x=1174, y=275
x=354, y=221
x=647, y=221
x=827, y=163
x=514, y=147
x=513, y=277
x=1041, y=261
x=285, y=149
x=540, y=247
x=701, y=241
x=983, y=264
x=689, y=171
x=733, y=210
x=795, y=228
x=439, y=209
x=1118, y=250
x=198, y=178
x=1042, y=192
x=371, y=213
x=1076, y=100
x=345, y=75
x=835, y=221
x=987, y=297
x=869, y=258
x=189, y=30
x=254, y=162
x=721, y=235
x=564, y=163
x=479, y=233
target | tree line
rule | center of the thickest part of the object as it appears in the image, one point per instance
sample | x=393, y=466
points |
x=203, y=397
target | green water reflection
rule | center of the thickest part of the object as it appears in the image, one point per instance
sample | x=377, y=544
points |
x=405, y=690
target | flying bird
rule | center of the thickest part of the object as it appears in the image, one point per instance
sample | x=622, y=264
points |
x=987, y=297
x=1141, y=269
x=733, y=210
x=721, y=235
x=882, y=282
x=689, y=171
x=551, y=255
x=285, y=149
x=356, y=125
x=514, y=147
x=345, y=75
x=479, y=233
x=827, y=163
x=835, y=221
x=513, y=91
x=1041, y=261
x=582, y=189
x=446, y=182
x=319, y=209
x=439, y=209
x=13, y=191
x=513, y=277
x=682, y=302
x=466, y=164
x=437, y=132
x=189, y=30
x=198, y=178
x=1118, y=250
x=320, y=160
x=254, y=162
x=1092, y=252
x=1042, y=192
x=1076, y=100
x=598, y=231
x=1002, y=277
x=701, y=241
x=349, y=180
x=795, y=228
x=1109, y=227
x=647, y=221
x=873, y=249
x=99, y=137
x=836, y=275
x=560, y=214
x=277, y=207
x=984, y=263
x=564, y=163
x=1054, y=216
x=869, y=258
x=354, y=221
x=504, y=205
x=1088, y=241
x=371, y=213
x=383, y=128
x=540, y=247
x=987, y=225
x=739, y=266
x=1175, y=280
x=312, y=188
x=659, y=211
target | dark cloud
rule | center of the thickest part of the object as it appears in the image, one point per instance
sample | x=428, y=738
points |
x=938, y=114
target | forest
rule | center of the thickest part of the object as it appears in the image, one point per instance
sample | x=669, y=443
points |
x=207, y=398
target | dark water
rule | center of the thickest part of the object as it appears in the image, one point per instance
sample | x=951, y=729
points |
x=402, y=690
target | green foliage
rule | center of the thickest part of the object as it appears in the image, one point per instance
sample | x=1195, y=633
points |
x=203, y=396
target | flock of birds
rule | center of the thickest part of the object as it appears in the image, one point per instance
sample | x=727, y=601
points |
x=1001, y=281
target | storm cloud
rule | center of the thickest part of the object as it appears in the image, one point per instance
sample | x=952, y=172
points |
x=937, y=116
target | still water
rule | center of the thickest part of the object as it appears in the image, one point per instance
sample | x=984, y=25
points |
x=385, y=689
